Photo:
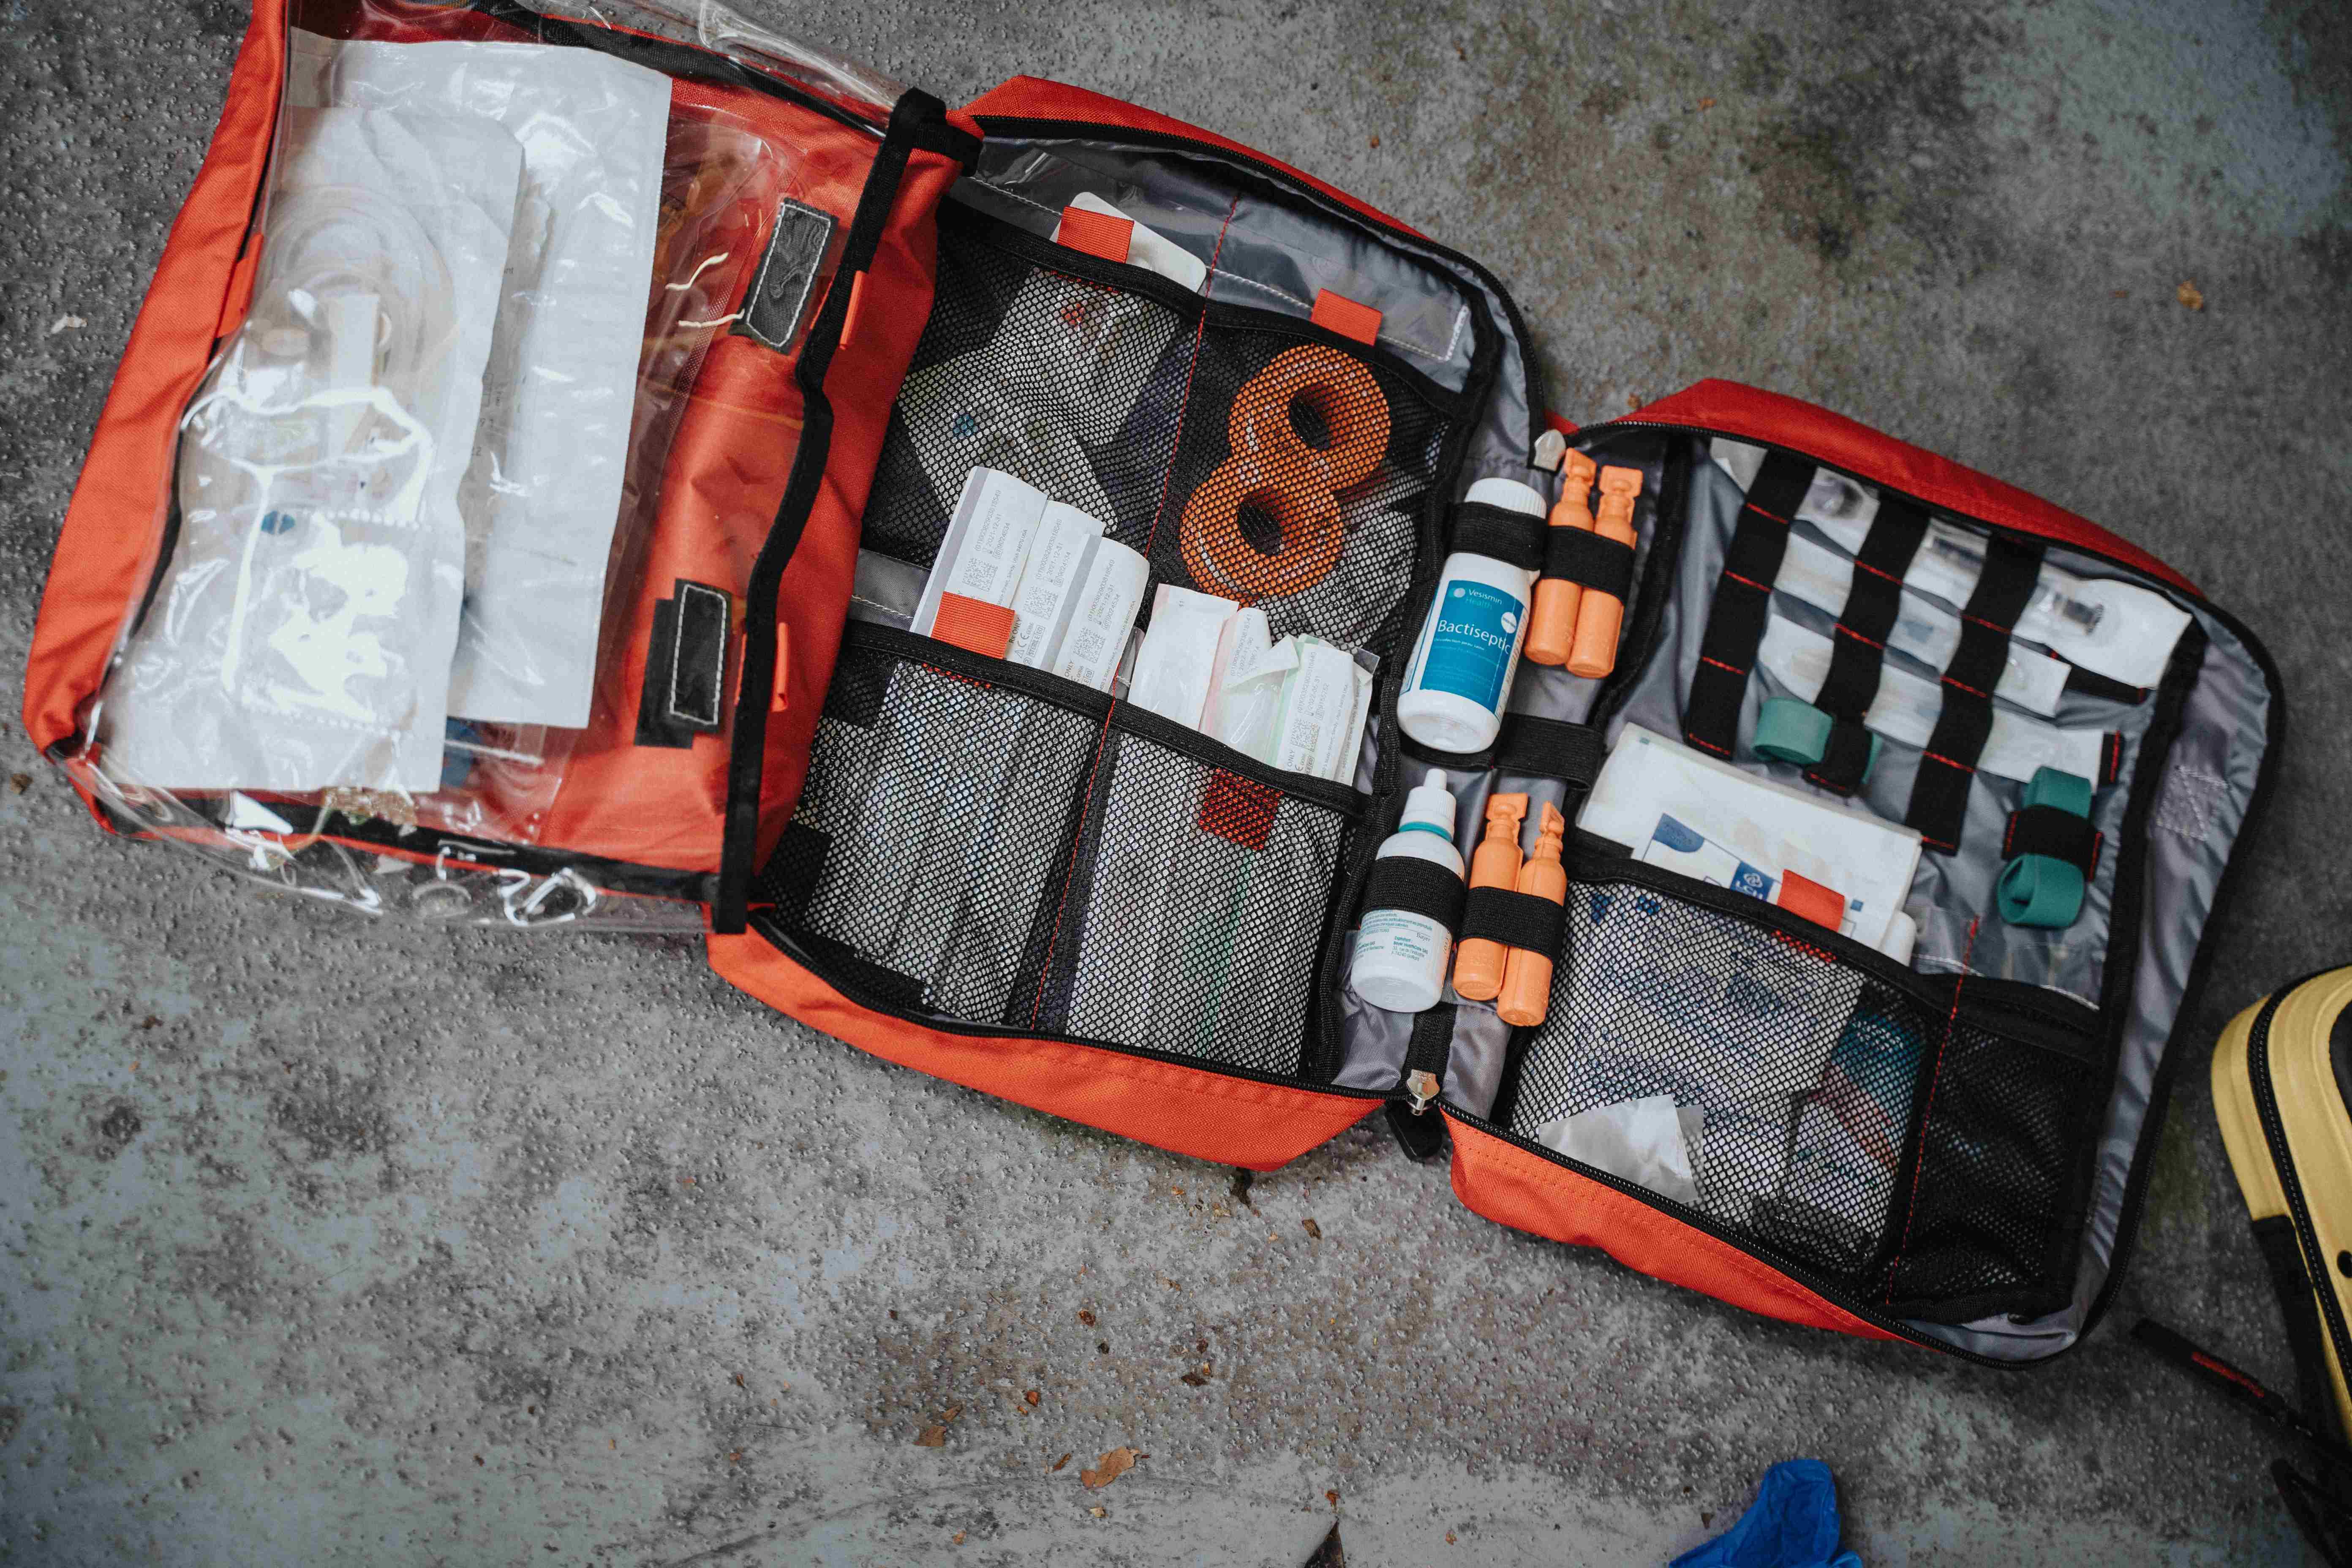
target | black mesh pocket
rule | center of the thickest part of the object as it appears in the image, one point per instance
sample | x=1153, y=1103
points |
x=932, y=835
x=1794, y=1077
x=1074, y=385
x=1196, y=909
x=1303, y=482
x=1995, y=1226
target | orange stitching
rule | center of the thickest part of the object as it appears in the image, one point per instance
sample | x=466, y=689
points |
x=1964, y=686
x=1731, y=668
x=1748, y=582
x=1845, y=630
x=1939, y=757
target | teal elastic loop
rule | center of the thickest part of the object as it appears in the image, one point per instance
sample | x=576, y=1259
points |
x=1788, y=731
x=2041, y=891
x=2068, y=791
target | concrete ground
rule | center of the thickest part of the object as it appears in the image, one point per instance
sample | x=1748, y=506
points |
x=328, y=1242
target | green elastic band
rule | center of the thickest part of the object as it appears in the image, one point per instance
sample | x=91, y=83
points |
x=1788, y=731
x=2037, y=890
x=2041, y=891
x=2068, y=791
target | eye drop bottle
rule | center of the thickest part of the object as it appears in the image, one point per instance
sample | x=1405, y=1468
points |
x=1400, y=963
x=1469, y=646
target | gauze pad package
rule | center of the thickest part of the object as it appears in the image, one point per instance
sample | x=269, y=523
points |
x=302, y=638
x=543, y=491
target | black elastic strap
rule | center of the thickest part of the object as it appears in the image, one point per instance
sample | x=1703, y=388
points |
x=2061, y=834
x=1743, y=602
x=1431, y=1047
x=755, y=685
x=1939, y=797
x=1516, y=537
x=1514, y=919
x=1417, y=887
x=1536, y=747
x=1601, y=563
x=1858, y=650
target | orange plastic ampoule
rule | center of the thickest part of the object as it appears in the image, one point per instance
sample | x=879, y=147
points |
x=1551, y=622
x=1603, y=615
x=1527, y=979
x=1478, y=961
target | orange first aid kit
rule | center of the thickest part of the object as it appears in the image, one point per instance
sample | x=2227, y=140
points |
x=546, y=429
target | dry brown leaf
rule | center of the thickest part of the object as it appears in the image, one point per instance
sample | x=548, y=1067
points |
x=1109, y=1469
x=1707, y=103
x=1178, y=1191
x=1313, y=1229
x=739, y=1380
x=20, y=782
x=1195, y=1379
x=1100, y=1512
x=1449, y=1538
x=736, y=1457
x=956, y=1539
x=2189, y=295
x=1331, y=1498
x=932, y=1437
x=950, y=1414
x=1376, y=140
x=1059, y=1463
x=1086, y=1317
x=1032, y=1396
x=2123, y=293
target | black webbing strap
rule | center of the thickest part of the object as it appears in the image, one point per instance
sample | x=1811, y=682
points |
x=1431, y=1046
x=1514, y=919
x=1427, y=1056
x=1418, y=886
x=1516, y=537
x=1939, y=798
x=1601, y=563
x=1858, y=651
x=2059, y=833
x=1743, y=600
x=1536, y=747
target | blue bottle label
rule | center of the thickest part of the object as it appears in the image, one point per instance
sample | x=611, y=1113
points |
x=1470, y=649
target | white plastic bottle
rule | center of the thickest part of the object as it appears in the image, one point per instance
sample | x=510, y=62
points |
x=1469, y=647
x=1401, y=956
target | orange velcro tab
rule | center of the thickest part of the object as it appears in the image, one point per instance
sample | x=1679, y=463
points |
x=779, y=699
x=1097, y=234
x=1338, y=313
x=974, y=625
x=1802, y=896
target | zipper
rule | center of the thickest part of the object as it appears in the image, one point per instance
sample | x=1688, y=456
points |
x=1025, y=127
x=2266, y=1091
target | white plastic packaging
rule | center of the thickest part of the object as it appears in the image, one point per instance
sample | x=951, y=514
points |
x=1146, y=248
x=1908, y=705
x=1468, y=651
x=1059, y=554
x=303, y=634
x=2107, y=626
x=1180, y=650
x=1401, y=956
x=542, y=492
x=1244, y=708
x=1319, y=701
x=1104, y=614
x=986, y=544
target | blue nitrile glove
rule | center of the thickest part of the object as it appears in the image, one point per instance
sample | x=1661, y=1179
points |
x=1793, y=1523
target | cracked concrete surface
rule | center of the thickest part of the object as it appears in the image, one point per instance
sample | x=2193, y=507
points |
x=327, y=1242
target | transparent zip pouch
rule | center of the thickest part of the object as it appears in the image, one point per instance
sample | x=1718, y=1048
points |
x=440, y=500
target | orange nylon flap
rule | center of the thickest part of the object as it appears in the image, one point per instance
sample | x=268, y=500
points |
x=1186, y=1111
x=1511, y=1186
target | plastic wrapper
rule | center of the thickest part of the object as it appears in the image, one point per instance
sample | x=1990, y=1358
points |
x=425, y=513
